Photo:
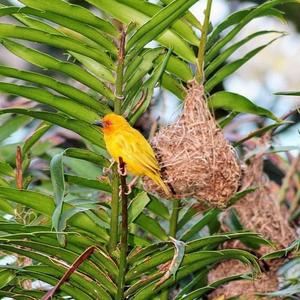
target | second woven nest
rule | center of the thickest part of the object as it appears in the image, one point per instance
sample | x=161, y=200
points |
x=259, y=212
x=195, y=158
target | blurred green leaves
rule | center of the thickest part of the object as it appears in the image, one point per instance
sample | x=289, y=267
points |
x=73, y=53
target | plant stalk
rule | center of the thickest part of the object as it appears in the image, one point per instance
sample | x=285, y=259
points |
x=172, y=232
x=120, y=73
x=201, y=52
x=174, y=218
x=124, y=233
x=19, y=211
x=114, y=222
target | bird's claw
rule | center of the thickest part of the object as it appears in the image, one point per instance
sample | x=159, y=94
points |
x=122, y=172
x=129, y=190
x=131, y=185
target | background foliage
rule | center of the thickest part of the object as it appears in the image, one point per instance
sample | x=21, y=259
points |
x=56, y=202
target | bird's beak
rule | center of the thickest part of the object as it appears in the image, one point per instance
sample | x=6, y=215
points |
x=98, y=123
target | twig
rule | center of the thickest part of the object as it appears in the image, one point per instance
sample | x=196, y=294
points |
x=286, y=116
x=19, y=210
x=19, y=171
x=290, y=113
x=84, y=256
x=140, y=102
x=124, y=232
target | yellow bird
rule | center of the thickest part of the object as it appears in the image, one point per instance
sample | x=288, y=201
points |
x=124, y=141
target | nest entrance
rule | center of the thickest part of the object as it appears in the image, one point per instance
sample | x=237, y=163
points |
x=195, y=159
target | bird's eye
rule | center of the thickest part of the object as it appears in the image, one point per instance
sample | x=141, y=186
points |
x=107, y=123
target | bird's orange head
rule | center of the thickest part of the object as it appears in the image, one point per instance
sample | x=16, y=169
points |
x=111, y=123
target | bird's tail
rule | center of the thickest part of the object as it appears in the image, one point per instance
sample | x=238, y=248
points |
x=157, y=179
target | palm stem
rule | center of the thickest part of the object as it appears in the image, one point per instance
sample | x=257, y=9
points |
x=120, y=72
x=174, y=218
x=114, y=222
x=124, y=234
x=202, y=45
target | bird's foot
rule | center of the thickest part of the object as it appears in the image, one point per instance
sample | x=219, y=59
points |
x=121, y=191
x=131, y=185
x=129, y=190
x=122, y=171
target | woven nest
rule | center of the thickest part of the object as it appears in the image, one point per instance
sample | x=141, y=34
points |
x=245, y=289
x=195, y=159
x=260, y=211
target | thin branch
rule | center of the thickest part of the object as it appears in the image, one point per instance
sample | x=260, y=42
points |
x=140, y=102
x=19, y=210
x=84, y=256
x=290, y=113
x=19, y=171
x=124, y=232
x=286, y=116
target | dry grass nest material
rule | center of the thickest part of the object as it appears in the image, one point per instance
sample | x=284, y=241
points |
x=195, y=158
x=245, y=289
x=260, y=211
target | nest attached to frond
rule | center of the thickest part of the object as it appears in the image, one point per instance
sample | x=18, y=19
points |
x=244, y=289
x=260, y=210
x=195, y=158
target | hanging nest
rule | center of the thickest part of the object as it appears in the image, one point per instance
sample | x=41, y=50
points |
x=260, y=210
x=244, y=289
x=196, y=160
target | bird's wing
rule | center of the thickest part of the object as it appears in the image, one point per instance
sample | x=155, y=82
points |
x=136, y=149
